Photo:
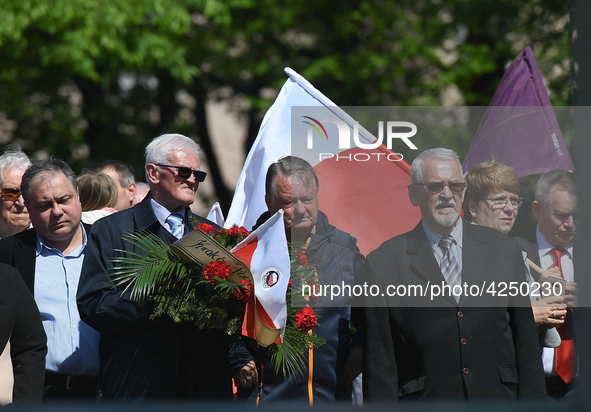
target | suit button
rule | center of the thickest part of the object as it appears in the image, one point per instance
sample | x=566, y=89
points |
x=460, y=314
x=465, y=371
x=463, y=341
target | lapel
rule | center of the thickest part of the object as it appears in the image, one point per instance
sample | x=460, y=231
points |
x=145, y=219
x=24, y=257
x=474, y=252
x=422, y=261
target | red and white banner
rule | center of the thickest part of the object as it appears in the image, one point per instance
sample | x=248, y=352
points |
x=265, y=252
x=366, y=199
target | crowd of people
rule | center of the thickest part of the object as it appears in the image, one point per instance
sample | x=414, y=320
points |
x=68, y=332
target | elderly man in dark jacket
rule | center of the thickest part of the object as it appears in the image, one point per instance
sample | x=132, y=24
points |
x=292, y=185
x=144, y=358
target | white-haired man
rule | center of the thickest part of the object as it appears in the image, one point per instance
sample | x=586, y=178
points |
x=14, y=216
x=144, y=358
x=454, y=349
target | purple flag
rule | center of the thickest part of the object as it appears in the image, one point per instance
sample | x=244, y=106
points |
x=519, y=128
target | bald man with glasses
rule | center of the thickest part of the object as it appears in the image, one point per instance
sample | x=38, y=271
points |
x=144, y=358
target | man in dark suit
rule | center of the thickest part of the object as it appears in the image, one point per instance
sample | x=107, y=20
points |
x=143, y=357
x=552, y=248
x=454, y=349
x=49, y=258
x=292, y=186
x=22, y=341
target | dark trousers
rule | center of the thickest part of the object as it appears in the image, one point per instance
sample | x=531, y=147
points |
x=58, y=386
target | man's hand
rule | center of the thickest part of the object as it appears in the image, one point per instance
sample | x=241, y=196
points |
x=554, y=272
x=571, y=297
x=246, y=377
x=549, y=312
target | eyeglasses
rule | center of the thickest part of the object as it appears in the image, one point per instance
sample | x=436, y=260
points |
x=500, y=202
x=11, y=193
x=437, y=187
x=185, y=172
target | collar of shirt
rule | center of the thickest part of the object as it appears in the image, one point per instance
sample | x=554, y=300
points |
x=41, y=246
x=544, y=246
x=457, y=234
x=162, y=213
x=546, y=258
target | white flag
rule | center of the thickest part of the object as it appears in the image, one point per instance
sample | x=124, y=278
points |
x=215, y=215
x=273, y=141
x=265, y=252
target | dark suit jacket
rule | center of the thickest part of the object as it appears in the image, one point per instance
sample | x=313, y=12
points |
x=143, y=357
x=19, y=251
x=450, y=350
x=21, y=323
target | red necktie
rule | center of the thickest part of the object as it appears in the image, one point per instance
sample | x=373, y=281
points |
x=566, y=355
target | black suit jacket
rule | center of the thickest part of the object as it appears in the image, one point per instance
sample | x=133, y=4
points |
x=21, y=323
x=143, y=357
x=450, y=350
x=19, y=251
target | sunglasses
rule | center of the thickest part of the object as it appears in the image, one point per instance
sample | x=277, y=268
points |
x=11, y=193
x=437, y=187
x=185, y=172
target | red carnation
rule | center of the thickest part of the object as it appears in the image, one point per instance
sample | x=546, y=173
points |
x=206, y=228
x=217, y=269
x=302, y=257
x=244, y=293
x=289, y=284
x=219, y=232
x=306, y=319
x=233, y=231
x=243, y=231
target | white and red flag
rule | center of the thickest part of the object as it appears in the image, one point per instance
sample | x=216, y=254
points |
x=265, y=253
x=367, y=199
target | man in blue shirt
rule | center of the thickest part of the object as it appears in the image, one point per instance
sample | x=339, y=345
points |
x=49, y=257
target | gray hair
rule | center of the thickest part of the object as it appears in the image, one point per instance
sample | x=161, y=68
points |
x=13, y=158
x=547, y=181
x=289, y=166
x=159, y=149
x=441, y=153
x=49, y=166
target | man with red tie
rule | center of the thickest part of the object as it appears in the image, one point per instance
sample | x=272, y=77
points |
x=555, y=208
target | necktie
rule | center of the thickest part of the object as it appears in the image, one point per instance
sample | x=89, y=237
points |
x=175, y=221
x=565, y=355
x=450, y=268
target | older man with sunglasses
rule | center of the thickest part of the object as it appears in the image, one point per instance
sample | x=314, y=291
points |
x=144, y=358
x=14, y=216
x=447, y=346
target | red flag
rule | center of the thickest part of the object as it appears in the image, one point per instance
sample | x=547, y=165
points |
x=265, y=253
x=367, y=200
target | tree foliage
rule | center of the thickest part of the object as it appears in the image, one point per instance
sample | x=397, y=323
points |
x=88, y=80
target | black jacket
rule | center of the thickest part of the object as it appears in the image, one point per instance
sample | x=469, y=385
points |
x=20, y=323
x=451, y=350
x=142, y=357
x=339, y=261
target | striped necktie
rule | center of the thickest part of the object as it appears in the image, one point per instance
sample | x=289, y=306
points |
x=175, y=221
x=450, y=268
